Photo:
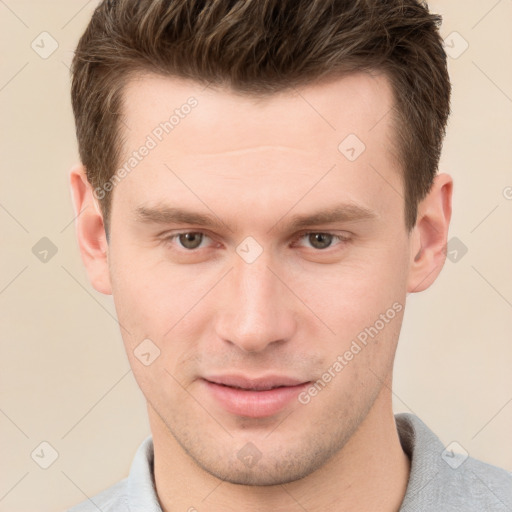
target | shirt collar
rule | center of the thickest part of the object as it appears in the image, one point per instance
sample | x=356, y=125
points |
x=141, y=490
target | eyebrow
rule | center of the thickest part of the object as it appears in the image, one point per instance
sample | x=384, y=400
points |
x=171, y=215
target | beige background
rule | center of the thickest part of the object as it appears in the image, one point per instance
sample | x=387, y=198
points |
x=64, y=376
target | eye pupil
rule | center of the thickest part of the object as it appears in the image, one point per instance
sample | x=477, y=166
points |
x=324, y=239
x=190, y=240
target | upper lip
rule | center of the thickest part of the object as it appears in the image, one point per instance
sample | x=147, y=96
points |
x=256, y=383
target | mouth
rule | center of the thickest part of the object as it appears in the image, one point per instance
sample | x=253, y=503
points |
x=256, y=383
x=253, y=397
x=257, y=388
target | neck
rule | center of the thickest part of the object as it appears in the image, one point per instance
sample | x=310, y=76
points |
x=370, y=473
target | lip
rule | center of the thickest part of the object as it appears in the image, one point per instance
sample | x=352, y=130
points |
x=256, y=383
x=253, y=398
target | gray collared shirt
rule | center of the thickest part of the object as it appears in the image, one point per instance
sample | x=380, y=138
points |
x=441, y=480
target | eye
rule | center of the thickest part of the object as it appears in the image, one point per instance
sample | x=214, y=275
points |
x=189, y=240
x=321, y=240
x=318, y=240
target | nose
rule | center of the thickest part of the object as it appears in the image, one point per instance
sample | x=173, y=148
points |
x=257, y=309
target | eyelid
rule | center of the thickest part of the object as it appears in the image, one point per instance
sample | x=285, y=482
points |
x=169, y=237
x=342, y=237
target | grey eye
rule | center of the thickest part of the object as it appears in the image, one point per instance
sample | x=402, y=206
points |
x=190, y=240
x=320, y=240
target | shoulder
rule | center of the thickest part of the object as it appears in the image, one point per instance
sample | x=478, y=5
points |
x=446, y=479
x=472, y=487
x=487, y=485
x=112, y=499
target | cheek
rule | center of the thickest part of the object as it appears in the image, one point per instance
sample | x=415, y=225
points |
x=147, y=289
x=160, y=302
x=352, y=294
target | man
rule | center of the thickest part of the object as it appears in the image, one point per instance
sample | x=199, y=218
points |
x=258, y=191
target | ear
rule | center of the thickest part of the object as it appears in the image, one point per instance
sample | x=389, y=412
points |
x=90, y=230
x=429, y=235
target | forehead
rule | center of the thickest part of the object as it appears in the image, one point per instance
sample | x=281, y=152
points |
x=215, y=143
x=331, y=109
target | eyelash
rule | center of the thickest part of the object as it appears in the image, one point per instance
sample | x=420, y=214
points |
x=341, y=238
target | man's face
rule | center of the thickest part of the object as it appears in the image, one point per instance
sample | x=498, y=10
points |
x=255, y=295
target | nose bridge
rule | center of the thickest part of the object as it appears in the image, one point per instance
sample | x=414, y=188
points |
x=255, y=284
x=256, y=311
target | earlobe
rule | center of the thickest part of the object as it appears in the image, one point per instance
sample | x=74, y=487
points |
x=90, y=230
x=429, y=237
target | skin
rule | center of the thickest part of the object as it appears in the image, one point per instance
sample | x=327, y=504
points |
x=255, y=164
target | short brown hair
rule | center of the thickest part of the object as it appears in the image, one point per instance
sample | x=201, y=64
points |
x=259, y=47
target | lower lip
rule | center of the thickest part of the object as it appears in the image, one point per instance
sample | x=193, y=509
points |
x=254, y=404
